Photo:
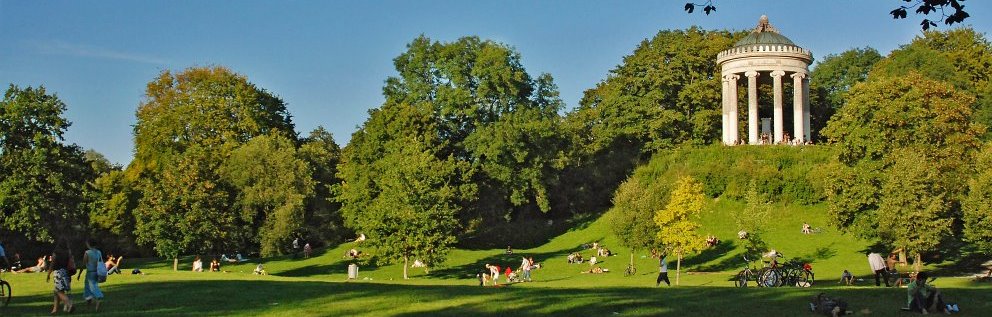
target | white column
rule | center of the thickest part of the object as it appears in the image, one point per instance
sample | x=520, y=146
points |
x=798, y=109
x=752, y=107
x=734, y=134
x=806, y=111
x=725, y=122
x=777, y=116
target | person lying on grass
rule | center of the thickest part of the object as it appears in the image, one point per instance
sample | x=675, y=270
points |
x=596, y=270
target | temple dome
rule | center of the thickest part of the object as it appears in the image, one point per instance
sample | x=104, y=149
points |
x=764, y=33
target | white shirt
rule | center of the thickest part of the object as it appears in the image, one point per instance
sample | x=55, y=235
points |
x=876, y=262
x=525, y=265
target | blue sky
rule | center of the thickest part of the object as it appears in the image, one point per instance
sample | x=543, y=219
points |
x=328, y=59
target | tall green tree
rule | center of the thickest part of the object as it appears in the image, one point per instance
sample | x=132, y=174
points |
x=43, y=182
x=678, y=220
x=833, y=77
x=272, y=185
x=889, y=116
x=187, y=127
x=632, y=215
x=413, y=215
x=666, y=93
x=957, y=56
x=977, y=210
x=323, y=211
x=470, y=100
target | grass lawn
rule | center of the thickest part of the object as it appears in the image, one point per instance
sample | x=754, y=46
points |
x=318, y=286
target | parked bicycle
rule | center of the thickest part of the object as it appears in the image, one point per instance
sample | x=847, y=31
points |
x=4, y=292
x=764, y=277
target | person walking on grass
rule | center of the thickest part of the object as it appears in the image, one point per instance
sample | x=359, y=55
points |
x=877, y=264
x=91, y=286
x=662, y=270
x=63, y=281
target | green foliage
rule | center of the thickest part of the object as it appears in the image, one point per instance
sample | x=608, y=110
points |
x=915, y=211
x=272, y=185
x=322, y=154
x=753, y=219
x=832, y=78
x=413, y=214
x=959, y=56
x=666, y=93
x=471, y=101
x=43, y=182
x=977, y=210
x=187, y=127
x=887, y=125
x=632, y=215
x=789, y=174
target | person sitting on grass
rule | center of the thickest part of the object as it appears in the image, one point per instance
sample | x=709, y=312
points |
x=197, y=264
x=214, y=265
x=807, y=229
x=575, y=257
x=511, y=276
x=846, y=278
x=596, y=270
x=924, y=298
x=353, y=253
x=260, y=269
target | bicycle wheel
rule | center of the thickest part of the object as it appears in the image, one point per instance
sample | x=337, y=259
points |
x=741, y=279
x=770, y=278
x=804, y=279
x=4, y=293
x=630, y=271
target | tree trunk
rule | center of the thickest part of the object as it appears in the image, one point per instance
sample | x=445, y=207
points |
x=678, y=269
x=175, y=263
x=405, y=260
x=631, y=257
x=918, y=263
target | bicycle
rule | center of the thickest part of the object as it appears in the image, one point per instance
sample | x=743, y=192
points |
x=795, y=273
x=630, y=271
x=765, y=277
x=4, y=293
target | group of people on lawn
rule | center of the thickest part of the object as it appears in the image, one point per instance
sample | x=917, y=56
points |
x=920, y=295
x=492, y=272
x=61, y=267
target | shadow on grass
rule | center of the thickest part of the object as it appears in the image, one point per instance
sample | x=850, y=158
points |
x=468, y=271
x=311, y=298
x=711, y=254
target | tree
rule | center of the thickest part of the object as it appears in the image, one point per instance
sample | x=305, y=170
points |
x=752, y=219
x=323, y=215
x=414, y=213
x=632, y=217
x=666, y=93
x=676, y=221
x=977, y=210
x=187, y=127
x=43, y=182
x=924, y=8
x=884, y=119
x=833, y=77
x=272, y=185
x=958, y=56
x=915, y=211
x=470, y=100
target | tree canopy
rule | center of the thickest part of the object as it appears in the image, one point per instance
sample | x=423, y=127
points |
x=888, y=124
x=44, y=183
